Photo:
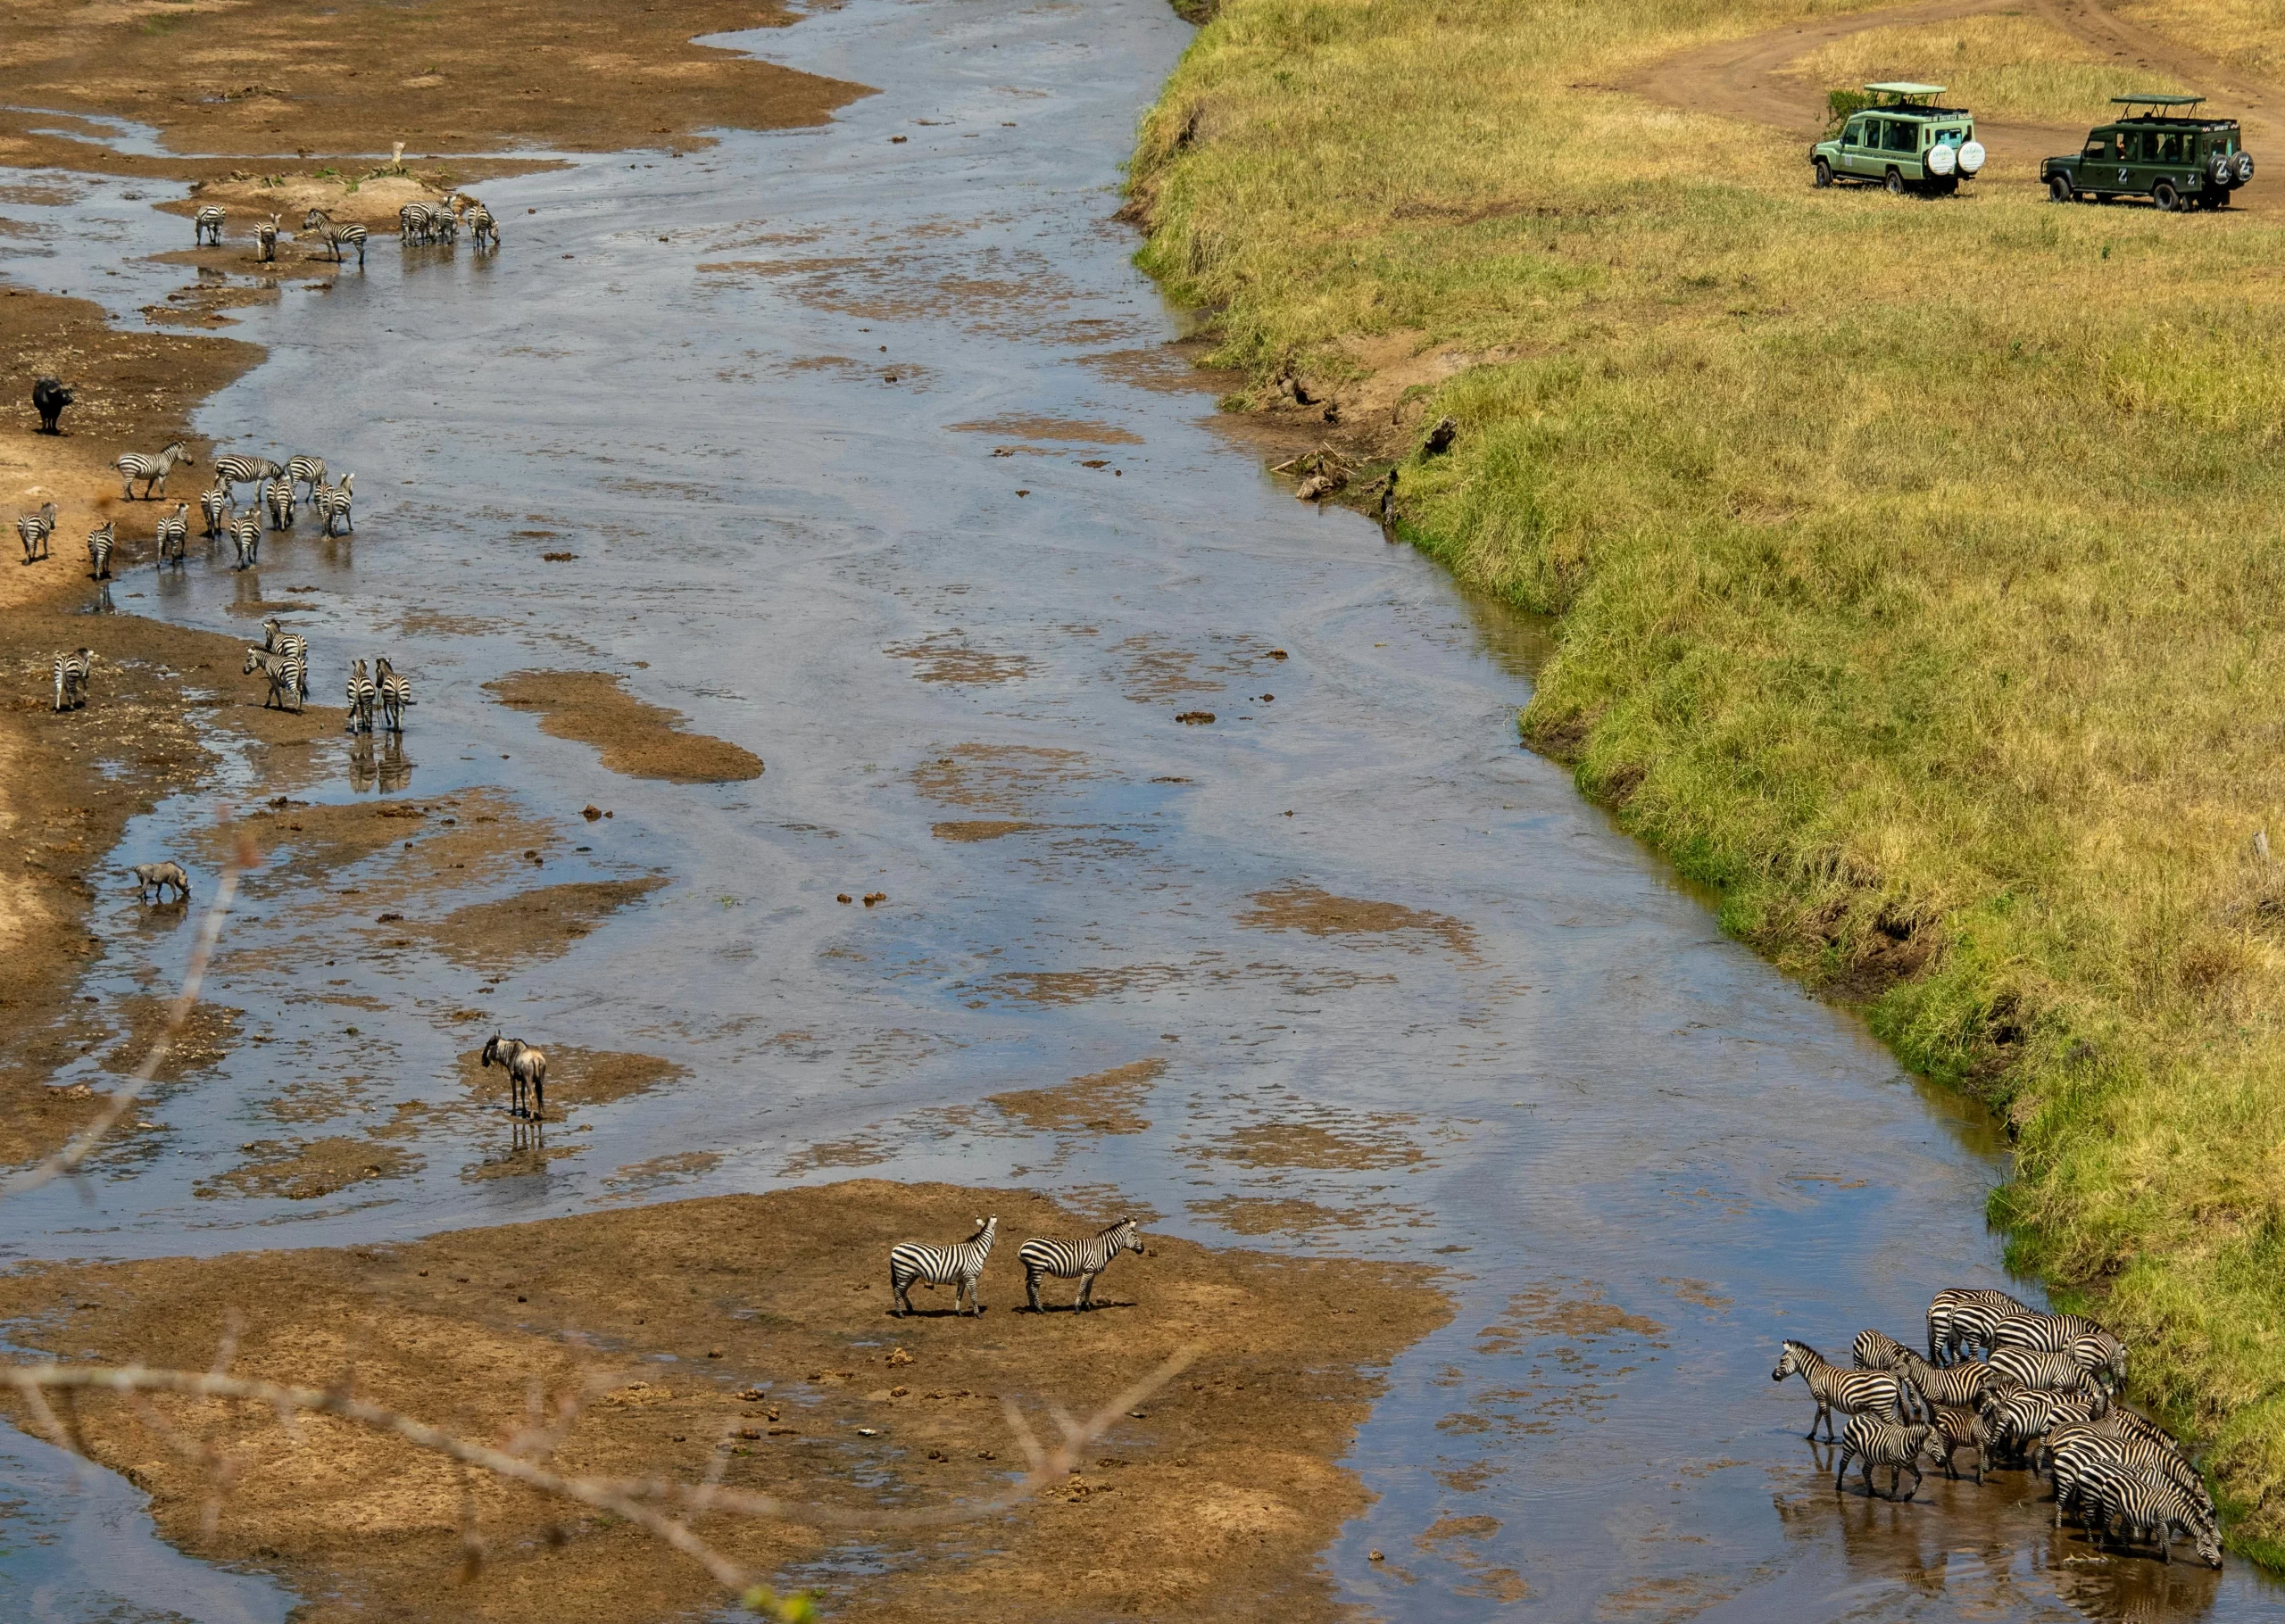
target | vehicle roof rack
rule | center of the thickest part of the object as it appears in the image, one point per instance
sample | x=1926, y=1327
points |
x=2150, y=101
x=1905, y=88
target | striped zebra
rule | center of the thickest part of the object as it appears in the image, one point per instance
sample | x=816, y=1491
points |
x=100, y=540
x=246, y=535
x=206, y=224
x=152, y=470
x=173, y=537
x=214, y=504
x=447, y=226
x=1876, y=1350
x=395, y=695
x=278, y=498
x=1869, y=1442
x=1851, y=1392
x=1963, y=1318
x=481, y=225
x=527, y=1068
x=231, y=472
x=1077, y=1259
x=277, y=640
x=332, y=502
x=2020, y=1417
x=2042, y=1371
x=35, y=528
x=1949, y=1384
x=2139, y=1510
x=337, y=238
x=265, y=241
x=2099, y=1353
x=2071, y=1447
x=1960, y=1427
x=960, y=1267
x=415, y=222
x=361, y=700
x=288, y=675
x=72, y=672
x=306, y=470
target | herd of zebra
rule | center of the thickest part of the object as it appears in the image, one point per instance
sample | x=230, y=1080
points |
x=284, y=661
x=2044, y=1391
x=417, y=222
x=961, y=1266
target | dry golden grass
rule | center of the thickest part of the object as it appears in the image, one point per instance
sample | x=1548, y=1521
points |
x=2247, y=35
x=2002, y=67
x=1919, y=569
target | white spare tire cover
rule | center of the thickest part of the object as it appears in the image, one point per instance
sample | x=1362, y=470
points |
x=1941, y=159
x=1971, y=157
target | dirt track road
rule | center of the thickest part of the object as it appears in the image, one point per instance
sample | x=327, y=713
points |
x=1744, y=80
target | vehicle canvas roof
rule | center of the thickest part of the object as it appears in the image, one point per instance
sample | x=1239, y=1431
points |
x=2150, y=101
x=1904, y=87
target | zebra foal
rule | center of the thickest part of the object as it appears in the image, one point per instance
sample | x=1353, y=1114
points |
x=1851, y=1392
x=1961, y=1428
x=152, y=469
x=1962, y=1318
x=960, y=1267
x=1869, y=1442
x=73, y=671
x=35, y=528
x=527, y=1069
x=1082, y=1260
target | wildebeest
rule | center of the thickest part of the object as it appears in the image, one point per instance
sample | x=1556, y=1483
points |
x=158, y=876
x=527, y=1068
x=50, y=397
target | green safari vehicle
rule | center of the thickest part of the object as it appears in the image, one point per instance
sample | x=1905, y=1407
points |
x=1904, y=141
x=2165, y=153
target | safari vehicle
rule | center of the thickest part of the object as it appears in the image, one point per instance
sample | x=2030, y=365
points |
x=2165, y=152
x=1903, y=141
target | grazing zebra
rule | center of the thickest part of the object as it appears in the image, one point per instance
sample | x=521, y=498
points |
x=288, y=675
x=278, y=497
x=414, y=222
x=2099, y=1353
x=1082, y=1259
x=151, y=471
x=214, y=504
x=206, y=224
x=960, y=1267
x=2144, y=1512
x=527, y=1068
x=1962, y=1318
x=100, y=540
x=246, y=534
x=2071, y=1449
x=2050, y=1373
x=361, y=700
x=1876, y=1350
x=481, y=225
x=337, y=236
x=158, y=876
x=1951, y=1384
x=1959, y=1427
x=1869, y=1442
x=1851, y=1392
x=306, y=470
x=231, y=472
x=35, y=528
x=332, y=502
x=173, y=537
x=395, y=693
x=265, y=241
x=72, y=672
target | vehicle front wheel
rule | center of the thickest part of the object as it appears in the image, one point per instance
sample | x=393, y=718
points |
x=2166, y=198
x=1825, y=173
x=1896, y=184
x=2058, y=189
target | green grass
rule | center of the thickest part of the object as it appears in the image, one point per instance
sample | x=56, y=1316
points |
x=1919, y=571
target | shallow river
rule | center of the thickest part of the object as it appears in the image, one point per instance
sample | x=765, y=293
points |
x=757, y=391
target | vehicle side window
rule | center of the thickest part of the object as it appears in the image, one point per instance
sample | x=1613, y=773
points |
x=1854, y=135
x=2097, y=149
x=1904, y=137
x=2118, y=146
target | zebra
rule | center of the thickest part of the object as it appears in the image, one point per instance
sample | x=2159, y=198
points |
x=1850, y=1392
x=35, y=528
x=206, y=224
x=1963, y=1317
x=1869, y=1442
x=394, y=693
x=332, y=502
x=1876, y=1350
x=288, y=675
x=72, y=672
x=361, y=700
x=151, y=471
x=173, y=537
x=2100, y=1354
x=214, y=504
x=1951, y=1384
x=1960, y=1427
x=2018, y=1416
x=2052, y=1372
x=2071, y=1447
x=1083, y=1259
x=306, y=470
x=231, y=472
x=246, y=534
x=278, y=497
x=265, y=241
x=481, y=225
x=445, y=225
x=337, y=236
x=100, y=540
x=527, y=1068
x=960, y=1267
x=2143, y=1509
x=277, y=640
x=414, y=222
x=158, y=876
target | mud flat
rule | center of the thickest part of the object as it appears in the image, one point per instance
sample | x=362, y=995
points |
x=755, y=1328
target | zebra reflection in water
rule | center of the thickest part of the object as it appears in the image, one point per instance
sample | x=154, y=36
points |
x=386, y=770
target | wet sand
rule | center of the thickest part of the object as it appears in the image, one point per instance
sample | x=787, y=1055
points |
x=754, y=1331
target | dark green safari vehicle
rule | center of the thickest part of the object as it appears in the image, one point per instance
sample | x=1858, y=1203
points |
x=2165, y=153
x=1903, y=141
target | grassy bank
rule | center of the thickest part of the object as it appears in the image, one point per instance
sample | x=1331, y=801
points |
x=1919, y=575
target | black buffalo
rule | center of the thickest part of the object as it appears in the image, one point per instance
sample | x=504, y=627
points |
x=49, y=398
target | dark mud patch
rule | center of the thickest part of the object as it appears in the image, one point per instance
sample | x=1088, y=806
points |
x=661, y=1171
x=1372, y=1144
x=1218, y=1497
x=982, y=828
x=944, y=658
x=536, y=924
x=862, y=1150
x=203, y=1041
x=1007, y=778
x=575, y=1076
x=1106, y=1102
x=303, y=1170
x=1291, y=1215
x=637, y=739
x=1083, y=431
x=1555, y=1311
x=1320, y=913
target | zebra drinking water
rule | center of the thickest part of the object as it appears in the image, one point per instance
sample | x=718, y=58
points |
x=100, y=540
x=394, y=693
x=414, y=222
x=206, y=224
x=1962, y=1318
x=527, y=1068
x=960, y=1267
x=332, y=502
x=1080, y=1259
x=151, y=469
x=158, y=876
x=35, y=528
x=481, y=225
x=306, y=470
x=2144, y=1512
x=337, y=236
x=173, y=537
x=73, y=672
x=246, y=535
x=361, y=700
x=1851, y=1392
x=2072, y=1449
x=231, y=472
x=1869, y=1442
